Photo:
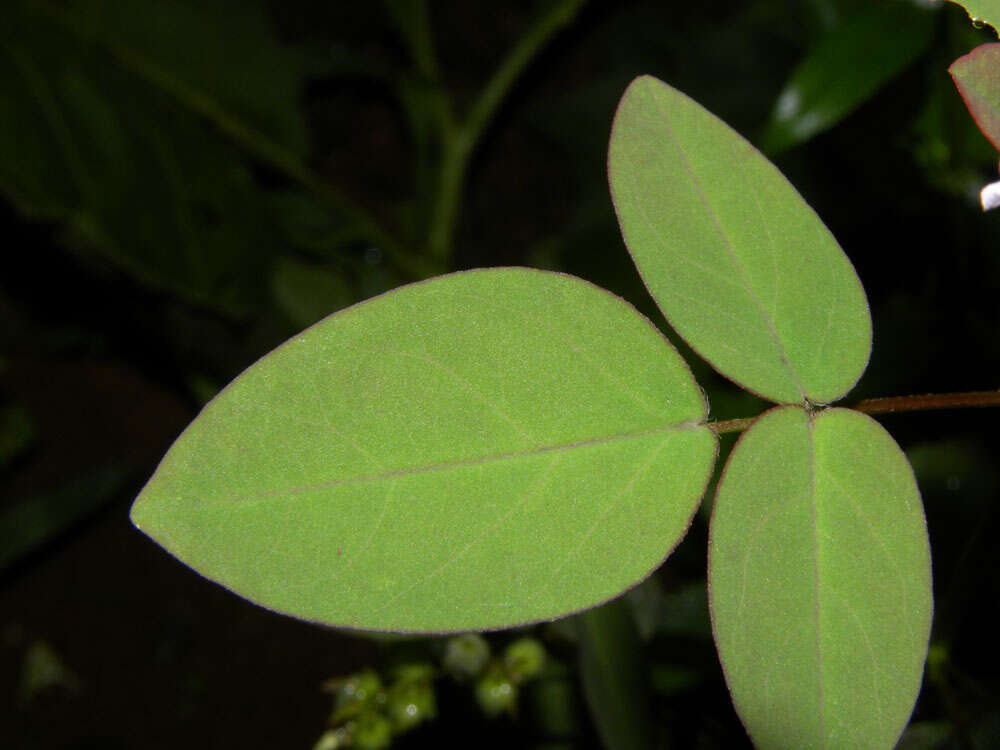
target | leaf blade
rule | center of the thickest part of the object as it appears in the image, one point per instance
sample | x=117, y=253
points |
x=820, y=581
x=527, y=422
x=731, y=253
x=977, y=76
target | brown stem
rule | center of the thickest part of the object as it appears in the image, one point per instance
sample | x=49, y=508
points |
x=731, y=425
x=928, y=401
x=890, y=405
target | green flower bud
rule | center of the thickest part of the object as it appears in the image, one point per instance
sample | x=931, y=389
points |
x=410, y=703
x=371, y=731
x=496, y=694
x=354, y=694
x=524, y=659
x=333, y=739
x=413, y=673
x=465, y=656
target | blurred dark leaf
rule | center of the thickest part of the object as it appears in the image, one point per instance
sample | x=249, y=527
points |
x=848, y=66
x=223, y=50
x=29, y=524
x=309, y=223
x=552, y=703
x=926, y=735
x=87, y=140
x=44, y=669
x=307, y=292
x=945, y=141
x=615, y=682
x=670, y=679
x=17, y=432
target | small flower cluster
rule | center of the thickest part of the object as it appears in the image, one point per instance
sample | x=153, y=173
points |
x=369, y=712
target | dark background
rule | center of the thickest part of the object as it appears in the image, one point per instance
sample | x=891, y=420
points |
x=152, y=250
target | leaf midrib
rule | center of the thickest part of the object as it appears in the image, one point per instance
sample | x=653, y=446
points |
x=751, y=292
x=461, y=463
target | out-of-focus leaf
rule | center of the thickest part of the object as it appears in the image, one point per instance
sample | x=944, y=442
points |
x=926, y=735
x=480, y=450
x=311, y=224
x=739, y=264
x=946, y=142
x=820, y=581
x=31, y=523
x=670, y=679
x=982, y=11
x=17, y=432
x=307, y=292
x=615, y=681
x=43, y=669
x=850, y=64
x=87, y=141
x=552, y=704
x=977, y=76
x=224, y=50
x=681, y=612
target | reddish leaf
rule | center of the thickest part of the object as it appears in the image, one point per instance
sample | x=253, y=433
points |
x=977, y=76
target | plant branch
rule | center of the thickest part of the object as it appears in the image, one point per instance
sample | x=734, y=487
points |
x=928, y=402
x=460, y=143
x=731, y=425
x=889, y=405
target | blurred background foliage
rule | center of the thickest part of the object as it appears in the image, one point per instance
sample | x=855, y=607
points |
x=186, y=183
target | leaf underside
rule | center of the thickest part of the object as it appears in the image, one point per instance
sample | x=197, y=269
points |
x=742, y=268
x=977, y=76
x=820, y=581
x=477, y=451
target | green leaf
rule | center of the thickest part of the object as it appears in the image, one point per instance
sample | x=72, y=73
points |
x=477, y=451
x=977, y=76
x=982, y=11
x=847, y=66
x=820, y=581
x=739, y=264
x=615, y=682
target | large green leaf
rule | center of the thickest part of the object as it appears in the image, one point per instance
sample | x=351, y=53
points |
x=740, y=265
x=977, y=76
x=480, y=450
x=820, y=581
x=845, y=69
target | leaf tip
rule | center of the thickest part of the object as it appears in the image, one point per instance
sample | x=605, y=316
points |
x=139, y=514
